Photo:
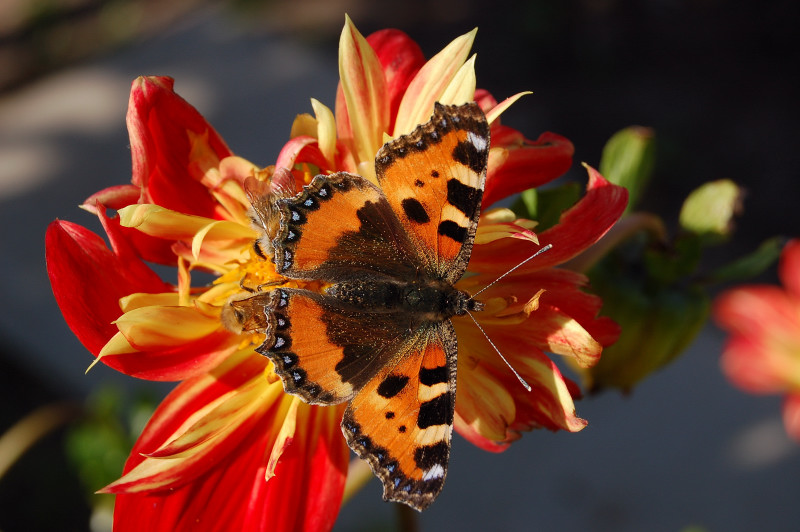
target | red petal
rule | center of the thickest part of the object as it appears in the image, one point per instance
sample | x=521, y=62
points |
x=302, y=149
x=791, y=415
x=529, y=163
x=789, y=268
x=88, y=280
x=159, y=123
x=400, y=58
x=115, y=197
x=580, y=226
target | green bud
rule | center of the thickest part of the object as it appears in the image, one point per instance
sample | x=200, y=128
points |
x=709, y=210
x=628, y=159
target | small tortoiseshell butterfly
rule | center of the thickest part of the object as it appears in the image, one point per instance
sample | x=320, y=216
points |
x=378, y=334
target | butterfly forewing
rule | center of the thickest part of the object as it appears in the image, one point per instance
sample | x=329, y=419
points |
x=433, y=178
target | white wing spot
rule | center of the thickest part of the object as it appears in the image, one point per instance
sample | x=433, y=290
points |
x=437, y=471
x=477, y=141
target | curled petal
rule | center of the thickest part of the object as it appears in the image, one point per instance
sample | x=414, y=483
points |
x=524, y=164
x=301, y=149
x=579, y=227
x=165, y=136
x=115, y=198
x=79, y=261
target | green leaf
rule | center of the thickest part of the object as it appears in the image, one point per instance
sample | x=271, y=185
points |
x=628, y=159
x=545, y=206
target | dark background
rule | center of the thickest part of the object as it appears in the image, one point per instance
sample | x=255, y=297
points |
x=716, y=80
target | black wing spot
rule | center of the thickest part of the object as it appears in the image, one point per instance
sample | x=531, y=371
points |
x=430, y=377
x=415, y=211
x=463, y=197
x=392, y=385
x=467, y=154
x=438, y=411
x=451, y=229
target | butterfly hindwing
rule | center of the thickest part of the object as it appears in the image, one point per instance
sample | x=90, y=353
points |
x=401, y=421
x=434, y=178
x=322, y=351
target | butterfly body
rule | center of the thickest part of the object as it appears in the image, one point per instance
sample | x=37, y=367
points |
x=371, y=325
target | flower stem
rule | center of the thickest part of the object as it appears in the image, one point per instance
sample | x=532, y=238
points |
x=407, y=518
x=32, y=428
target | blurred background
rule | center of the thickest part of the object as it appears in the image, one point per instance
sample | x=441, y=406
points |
x=716, y=80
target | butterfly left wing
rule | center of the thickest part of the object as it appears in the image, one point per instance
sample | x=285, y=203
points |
x=401, y=421
x=433, y=178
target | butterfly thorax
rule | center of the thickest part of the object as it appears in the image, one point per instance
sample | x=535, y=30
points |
x=430, y=301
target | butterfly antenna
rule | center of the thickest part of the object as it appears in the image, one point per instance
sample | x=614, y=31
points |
x=545, y=248
x=521, y=380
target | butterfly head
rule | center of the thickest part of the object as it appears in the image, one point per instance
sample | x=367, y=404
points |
x=461, y=303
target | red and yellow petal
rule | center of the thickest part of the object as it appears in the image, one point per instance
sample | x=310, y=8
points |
x=181, y=491
x=484, y=414
x=401, y=58
x=364, y=90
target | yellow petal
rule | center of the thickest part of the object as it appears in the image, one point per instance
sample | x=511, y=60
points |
x=364, y=88
x=484, y=403
x=303, y=125
x=287, y=415
x=544, y=376
x=498, y=109
x=139, y=300
x=159, y=327
x=155, y=220
x=430, y=82
x=117, y=345
x=326, y=131
x=219, y=418
x=462, y=87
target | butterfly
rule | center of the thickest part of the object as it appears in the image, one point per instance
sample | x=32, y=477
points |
x=377, y=334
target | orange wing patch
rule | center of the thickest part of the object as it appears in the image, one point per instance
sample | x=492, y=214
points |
x=401, y=422
x=433, y=178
